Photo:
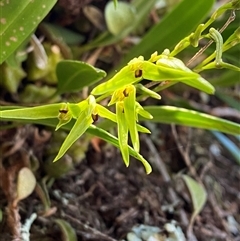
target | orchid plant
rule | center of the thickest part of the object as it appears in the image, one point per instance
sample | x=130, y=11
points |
x=123, y=89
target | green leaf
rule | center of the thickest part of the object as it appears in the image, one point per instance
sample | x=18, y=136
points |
x=142, y=7
x=172, y=28
x=68, y=232
x=19, y=18
x=75, y=75
x=31, y=113
x=119, y=19
x=185, y=117
x=198, y=195
x=122, y=132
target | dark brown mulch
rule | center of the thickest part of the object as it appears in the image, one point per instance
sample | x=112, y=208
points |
x=103, y=200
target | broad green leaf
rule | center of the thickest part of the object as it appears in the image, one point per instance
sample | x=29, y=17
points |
x=119, y=19
x=185, y=117
x=68, y=231
x=19, y=18
x=172, y=28
x=75, y=75
x=26, y=183
x=31, y=113
x=122, y=132
x=130, y=114
x=81, y=125
x=198, y=195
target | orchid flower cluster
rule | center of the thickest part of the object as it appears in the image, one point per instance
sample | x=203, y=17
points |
x=122, y=89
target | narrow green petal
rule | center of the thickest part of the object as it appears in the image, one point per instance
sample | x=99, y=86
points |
x=125, y=76
x=147, y=91
x=130, y=113
x=105, y=113
x=118, y=95
x=75, y=109
x=142, y=112
x=63, y=121
x=176, y=72
x=143, y=129
x=122, y=132
x=155, y=72
x=81, y=125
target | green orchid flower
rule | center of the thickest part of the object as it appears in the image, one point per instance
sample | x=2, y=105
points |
x=127, y=110
x=83, y=122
